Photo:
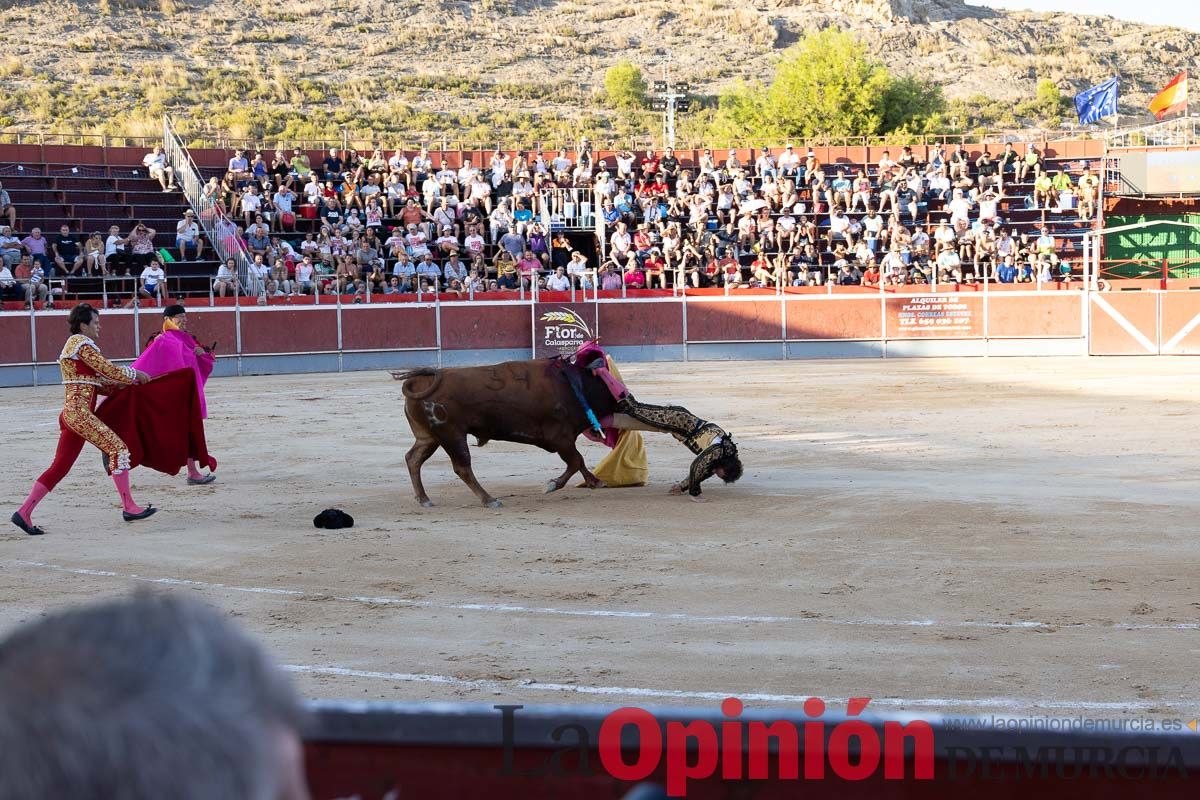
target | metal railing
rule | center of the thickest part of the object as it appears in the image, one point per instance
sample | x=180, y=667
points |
x=1175, y=132
x=513, y=139
x=570, y=209
x=220, y=229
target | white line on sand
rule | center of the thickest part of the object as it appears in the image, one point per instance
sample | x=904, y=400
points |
x=506, y=608
x=1008, y=703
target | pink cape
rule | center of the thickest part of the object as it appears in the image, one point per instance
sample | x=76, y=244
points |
x=172, y=350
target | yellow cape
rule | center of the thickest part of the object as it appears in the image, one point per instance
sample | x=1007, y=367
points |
x=626, y=465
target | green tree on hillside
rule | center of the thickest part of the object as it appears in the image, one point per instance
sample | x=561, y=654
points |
x=1048, y=107
x=827, y=84
x=624, y=86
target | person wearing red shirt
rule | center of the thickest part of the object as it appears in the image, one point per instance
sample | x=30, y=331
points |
x=649, y=165
x=655, y=270
x=642, y=241
x=731, y=270
x=871, y=276
x=634, y=277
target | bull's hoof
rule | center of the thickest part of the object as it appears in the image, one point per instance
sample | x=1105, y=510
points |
x=494, y=504
x=551, y=486
x=597, y=484
x=426, y=503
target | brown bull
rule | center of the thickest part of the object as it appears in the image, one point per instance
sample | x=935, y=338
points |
x=529, y=402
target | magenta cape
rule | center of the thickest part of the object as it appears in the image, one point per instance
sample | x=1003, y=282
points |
x=172, y=350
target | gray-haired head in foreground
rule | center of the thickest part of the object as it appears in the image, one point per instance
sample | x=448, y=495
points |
x=143, y=698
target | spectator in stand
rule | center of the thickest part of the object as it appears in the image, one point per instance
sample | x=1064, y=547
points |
x=428, y=272
x=1064, y=190
x=332, y=166
x=284, y=202
x=610, y=277
x=280, y=278
x=454, y=270
x=38, y=246
x=93, y=253
x=30, y=275
x=958, y=163
x=986, y=169
x=9, y=288
x=507, y=278
x=152, y=283
x=847, y=273
x=116, y=251
x=67, y=256
x=839, y=228
x=141, y=246
x=366, y=257
x=1007, y=271
x=258, y=241
x=1005, y=165
x=300, y=166
x=306, y=277
x=870, y=276
x=250, y=204
x=949, y=266
x=405, y=271
x=1045, y=246
x=224, y=283
x=10, y=247
x=559, y=282
x=187, y=237
x=7, y=208
x=528, y=266
x=1032, y=163
x=577, y=269
x=655, y=268
x=1089, y=185
x=156, y=163
x=239, y=168
x=1043, y=190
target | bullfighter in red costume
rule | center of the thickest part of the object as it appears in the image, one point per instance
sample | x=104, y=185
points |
x=85, y=374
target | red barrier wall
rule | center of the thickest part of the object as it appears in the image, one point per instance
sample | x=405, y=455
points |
x=473, y=326
x=935, y=316
x=1118, y=323
x=15, y=344
x=398, y=328
x=117, y=338
x=289, y=331
x=215, y=326
x=734, y=321
x=1180, y=325
x=641, y=323
x=1054, y=314
x=1123, y=324
x=821, y=318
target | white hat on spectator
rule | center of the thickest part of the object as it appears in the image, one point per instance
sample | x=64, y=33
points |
x=789, y=147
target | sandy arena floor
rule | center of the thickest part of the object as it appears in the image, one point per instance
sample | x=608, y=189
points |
x=1003, y=535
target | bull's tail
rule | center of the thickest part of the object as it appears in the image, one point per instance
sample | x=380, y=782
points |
x=422, y=372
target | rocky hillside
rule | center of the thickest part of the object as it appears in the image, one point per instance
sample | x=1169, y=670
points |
x=467, y=67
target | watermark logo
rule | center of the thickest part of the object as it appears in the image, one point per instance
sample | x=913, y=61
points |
x=737, y=749
x=563, y=330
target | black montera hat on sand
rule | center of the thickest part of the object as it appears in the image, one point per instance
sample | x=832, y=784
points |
x=333, y=518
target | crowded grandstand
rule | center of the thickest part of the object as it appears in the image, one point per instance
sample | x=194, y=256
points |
x=360, y=227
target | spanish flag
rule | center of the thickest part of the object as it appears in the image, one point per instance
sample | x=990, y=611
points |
x=1173, y=97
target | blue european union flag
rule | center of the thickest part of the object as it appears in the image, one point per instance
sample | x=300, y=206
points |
x=1098, y=102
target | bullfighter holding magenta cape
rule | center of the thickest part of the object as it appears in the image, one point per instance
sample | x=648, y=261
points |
x=177, y=350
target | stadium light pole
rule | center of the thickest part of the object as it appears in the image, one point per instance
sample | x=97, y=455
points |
x=669, y=98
